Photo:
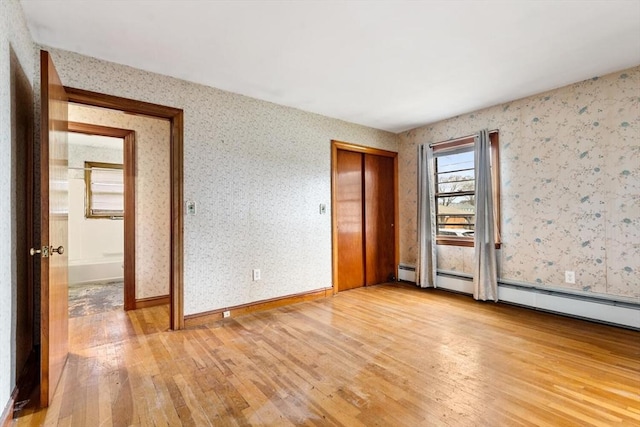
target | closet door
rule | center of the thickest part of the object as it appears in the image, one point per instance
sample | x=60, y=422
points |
x=349, y=220
x=379, y=209
x=364, y=200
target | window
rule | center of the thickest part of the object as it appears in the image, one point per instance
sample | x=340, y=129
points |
x=104, y=186
x=455, y=189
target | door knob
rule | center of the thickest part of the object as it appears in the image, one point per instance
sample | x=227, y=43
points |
x=59, y=250
x=44, y=251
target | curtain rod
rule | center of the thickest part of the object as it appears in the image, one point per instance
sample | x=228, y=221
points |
x=435, y=144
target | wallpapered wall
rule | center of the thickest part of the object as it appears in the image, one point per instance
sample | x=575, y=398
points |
x=570, y=165
x=258, y=173
x=153, y=211
x=92, y=240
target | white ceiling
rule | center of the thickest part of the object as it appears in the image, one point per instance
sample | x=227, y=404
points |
x=391, y=65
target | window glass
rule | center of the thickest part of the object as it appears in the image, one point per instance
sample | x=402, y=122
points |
x=104, y=183
x=455, y=189
x=455, y=178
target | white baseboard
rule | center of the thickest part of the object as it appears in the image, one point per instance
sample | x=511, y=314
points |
x=95, y=272
x=592, y=307
x=6, y=417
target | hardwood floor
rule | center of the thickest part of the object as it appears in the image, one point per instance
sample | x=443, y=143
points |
x=388, y=355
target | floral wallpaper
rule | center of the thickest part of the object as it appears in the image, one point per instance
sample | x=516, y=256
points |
x=153, y=210
x=257, y=172
x=570, y=190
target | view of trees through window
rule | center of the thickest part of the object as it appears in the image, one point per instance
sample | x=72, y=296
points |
x=455, y=192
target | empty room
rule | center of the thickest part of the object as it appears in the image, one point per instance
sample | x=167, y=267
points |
x=329, y=213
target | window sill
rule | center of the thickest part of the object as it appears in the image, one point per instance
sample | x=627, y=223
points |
x=453, y=241
x=116, y=217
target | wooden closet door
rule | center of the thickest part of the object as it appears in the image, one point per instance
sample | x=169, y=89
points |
x=349, y=220
x=379, y=209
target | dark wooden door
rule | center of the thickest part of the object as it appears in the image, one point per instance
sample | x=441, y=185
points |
x=22, y=143
x=54, y=229
x=364, y=198
x=379, y=199
x=349, y=220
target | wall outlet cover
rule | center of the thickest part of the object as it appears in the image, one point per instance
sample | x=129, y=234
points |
x=570, y=277
x=191, y=208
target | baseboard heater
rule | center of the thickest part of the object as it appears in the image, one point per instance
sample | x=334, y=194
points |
x=596, y=307
x=406, y=273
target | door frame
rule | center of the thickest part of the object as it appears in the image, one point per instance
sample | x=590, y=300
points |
x=346, y=146
x=129, y=160
x=175, y=116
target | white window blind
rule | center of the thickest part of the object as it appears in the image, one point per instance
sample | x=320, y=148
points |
x=105, y=185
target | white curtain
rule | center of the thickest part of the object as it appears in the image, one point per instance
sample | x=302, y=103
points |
x=426, y=268
x=485, y=276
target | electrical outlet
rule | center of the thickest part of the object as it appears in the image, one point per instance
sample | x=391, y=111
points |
x=191, y=208
x=226, y=314
x=256, y=274
x=570, y=277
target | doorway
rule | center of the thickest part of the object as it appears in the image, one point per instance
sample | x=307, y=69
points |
x=102, y=218
x=50, y=215
x=365, y=214
x=147, y=210
x=175, y=227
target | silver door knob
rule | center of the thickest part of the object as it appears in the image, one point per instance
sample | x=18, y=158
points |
x=44, y=252
x=59, y=250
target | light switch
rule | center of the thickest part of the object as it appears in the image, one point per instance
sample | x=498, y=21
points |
x=323, y=209
x=191, y=208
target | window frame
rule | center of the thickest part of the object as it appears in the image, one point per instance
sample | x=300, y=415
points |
x=494, y=139
x=88, y=194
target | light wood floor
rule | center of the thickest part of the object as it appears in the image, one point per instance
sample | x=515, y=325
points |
x=388, y=355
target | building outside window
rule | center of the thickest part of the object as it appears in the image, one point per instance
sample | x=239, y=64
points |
x=455, y=189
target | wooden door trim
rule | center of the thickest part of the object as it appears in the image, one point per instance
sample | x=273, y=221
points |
x=129, y=154
x=176, y=121
x=347, y=146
